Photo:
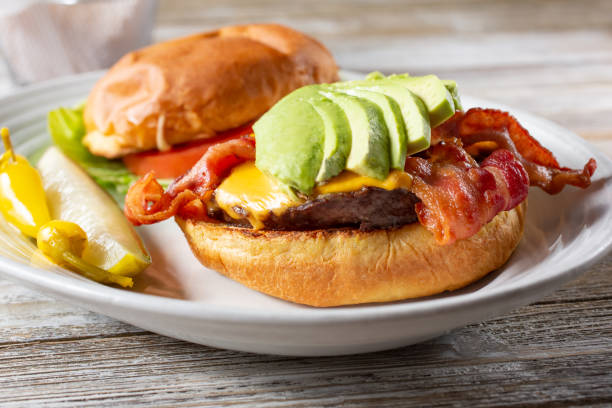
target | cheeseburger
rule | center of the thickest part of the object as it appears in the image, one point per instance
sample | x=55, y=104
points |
x=315, y=191
x=364, y=191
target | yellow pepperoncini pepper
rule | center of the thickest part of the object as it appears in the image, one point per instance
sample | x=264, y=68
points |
x=24, y=204
x=64, y=242
x=22, y=197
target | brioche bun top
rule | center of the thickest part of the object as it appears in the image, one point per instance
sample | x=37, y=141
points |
x=196, y=86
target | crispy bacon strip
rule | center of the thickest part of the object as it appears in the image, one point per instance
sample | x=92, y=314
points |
x=216, y=163
x=490, y=129
x=447, y=130
x=147, y=203
x=478, y=120
x=458, y=197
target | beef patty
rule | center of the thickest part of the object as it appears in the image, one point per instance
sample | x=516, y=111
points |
x=367, y=209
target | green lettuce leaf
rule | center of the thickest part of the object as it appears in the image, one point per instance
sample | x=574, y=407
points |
x=67, y=129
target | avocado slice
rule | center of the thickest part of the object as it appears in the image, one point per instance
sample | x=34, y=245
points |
x=414, y=113
x=452, y=88
x=289, y=142
x=433, y=93
x=375, y=75
x=369, y=154
x=337, y=140
x=393, y=119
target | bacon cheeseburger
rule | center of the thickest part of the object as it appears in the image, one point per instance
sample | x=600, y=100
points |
x=365, y=191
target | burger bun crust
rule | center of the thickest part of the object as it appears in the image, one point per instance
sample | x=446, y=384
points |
x=197, y=86
x=347, y=266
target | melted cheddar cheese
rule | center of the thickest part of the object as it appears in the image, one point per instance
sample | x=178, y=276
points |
x=247, y=187
x=349, y=181
x=251, y=190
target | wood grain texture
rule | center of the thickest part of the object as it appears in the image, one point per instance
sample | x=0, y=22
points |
x=553, y=58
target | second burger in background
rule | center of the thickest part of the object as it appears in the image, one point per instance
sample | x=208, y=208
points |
x=159, y=108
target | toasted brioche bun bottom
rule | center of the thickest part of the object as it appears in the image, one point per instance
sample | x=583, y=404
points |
x=347, y=266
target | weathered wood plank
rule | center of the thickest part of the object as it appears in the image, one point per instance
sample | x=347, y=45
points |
x=347, y=18
x=487, y=364
x=27, y=316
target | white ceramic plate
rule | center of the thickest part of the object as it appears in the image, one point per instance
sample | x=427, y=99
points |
x=177, y=297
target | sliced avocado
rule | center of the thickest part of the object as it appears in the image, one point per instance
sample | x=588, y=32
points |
x=394, y=121
x=433, y=93
x=452, y=88
x=375, y=75
x=369, y=155
x=337, y=143
x=414, y=112
x=448, y=83
x=289, y=142
x=337, y=138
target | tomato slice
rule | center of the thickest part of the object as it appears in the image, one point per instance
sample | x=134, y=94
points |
x=176, y=161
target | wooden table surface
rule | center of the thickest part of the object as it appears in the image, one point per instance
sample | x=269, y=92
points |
x=552, y=58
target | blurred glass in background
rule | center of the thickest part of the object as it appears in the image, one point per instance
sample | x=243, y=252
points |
x=46, y=39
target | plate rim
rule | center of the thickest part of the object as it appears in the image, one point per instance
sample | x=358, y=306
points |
x=88, y=292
